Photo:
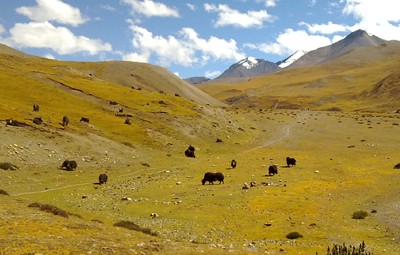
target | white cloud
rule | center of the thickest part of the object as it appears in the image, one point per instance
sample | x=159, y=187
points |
x=150, y=8
x=212, y=74
x=290, y=41
x=168, y=50
x=380, y=18
x=187, y=50
x=59, y=39
x=329, y=28
x=137, y=57
x=231, y=17
x=270, y=3
x=191, y=6
x=53, y=10
x=214, y=47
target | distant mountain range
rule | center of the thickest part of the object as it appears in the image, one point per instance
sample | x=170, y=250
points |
x=251, y=67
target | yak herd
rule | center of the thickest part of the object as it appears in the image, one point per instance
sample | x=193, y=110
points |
x=210, y=177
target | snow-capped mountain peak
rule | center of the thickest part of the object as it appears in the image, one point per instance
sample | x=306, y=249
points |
x=248, y=62
x=291, y=59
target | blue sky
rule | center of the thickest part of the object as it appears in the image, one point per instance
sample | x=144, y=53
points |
x=188, y=37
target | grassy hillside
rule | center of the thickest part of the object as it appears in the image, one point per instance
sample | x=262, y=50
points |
x=340, y=84
x=344, y=164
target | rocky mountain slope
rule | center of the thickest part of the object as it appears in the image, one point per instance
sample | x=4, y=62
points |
x=356, y=39
x=249, y=67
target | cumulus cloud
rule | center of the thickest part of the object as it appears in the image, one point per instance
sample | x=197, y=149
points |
x=53, y=10
x=181, y=50
x=214, y=47
x=58, y=39
x=290, y=41
x=151, y=8
x=231, y=17
x=167, y=50
x=329, y=28
x=380, y=18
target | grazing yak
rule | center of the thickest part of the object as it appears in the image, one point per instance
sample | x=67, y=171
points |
x=103, y=178
x=290, y=161
x=189, y=152
x=65, y=121
x=397, y=166
x=69, y=165
x=273, y=169
x=233, y=163
x=84, y=119
x=37, y=120
x=127, y=121
x=35, y=107
x=212, y=177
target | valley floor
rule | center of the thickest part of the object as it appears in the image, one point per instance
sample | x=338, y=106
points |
x=344, y=164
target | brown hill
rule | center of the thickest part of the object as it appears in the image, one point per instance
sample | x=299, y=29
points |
x=131, y=74
x=387, y=88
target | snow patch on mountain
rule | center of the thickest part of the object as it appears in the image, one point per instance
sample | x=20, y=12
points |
x=248, y=62
x=291, y=59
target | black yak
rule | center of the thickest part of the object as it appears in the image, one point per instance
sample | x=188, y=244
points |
x=273, y=169
x=212, y=177
x=84, y=119
x=233, y=163
x=103, y=178
x=69, y=165
x=397, y=166
x=35, y=107
x=190, y=152
x=37, y=120
x=65, y=121
x=290, y=161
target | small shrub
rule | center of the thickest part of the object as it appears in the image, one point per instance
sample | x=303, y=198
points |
x=3, y=192
x=360, y=215
x=51, y=209
x=294, y=235
x=8, y=166
x=348, y=250
x=133, y=226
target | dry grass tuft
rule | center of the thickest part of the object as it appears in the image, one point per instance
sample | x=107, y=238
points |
x=8, y=166
x=53, y=209
x=343, y=249
x=294, y=235
x=359, y=215
x=133, y=226
x=3, y=192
